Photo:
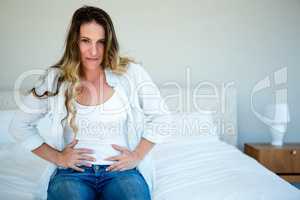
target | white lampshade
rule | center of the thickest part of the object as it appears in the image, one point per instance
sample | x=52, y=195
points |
x=278, y=113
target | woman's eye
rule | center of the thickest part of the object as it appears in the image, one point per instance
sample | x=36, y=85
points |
x=85, y=41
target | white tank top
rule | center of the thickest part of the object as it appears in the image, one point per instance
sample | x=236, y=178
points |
x=100, y=126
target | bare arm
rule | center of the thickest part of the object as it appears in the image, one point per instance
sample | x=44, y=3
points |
x=48, y=153
x=143, y=148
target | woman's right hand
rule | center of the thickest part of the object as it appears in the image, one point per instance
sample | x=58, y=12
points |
x=70, y=157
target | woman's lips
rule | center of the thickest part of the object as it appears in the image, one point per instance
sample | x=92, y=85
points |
x=92, y=59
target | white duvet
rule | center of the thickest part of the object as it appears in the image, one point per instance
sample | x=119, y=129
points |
x=195, y=169
x=202, y=169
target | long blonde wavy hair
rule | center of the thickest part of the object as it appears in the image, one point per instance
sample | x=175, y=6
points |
x=70, y=63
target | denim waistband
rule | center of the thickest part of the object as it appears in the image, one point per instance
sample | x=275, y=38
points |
x=84, y=167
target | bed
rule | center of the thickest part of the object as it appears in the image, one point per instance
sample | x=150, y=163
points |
x=199, y=161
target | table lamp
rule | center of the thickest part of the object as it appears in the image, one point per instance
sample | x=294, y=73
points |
x=278, y=124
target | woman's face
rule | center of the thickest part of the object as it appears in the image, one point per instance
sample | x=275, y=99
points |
x=91, y=45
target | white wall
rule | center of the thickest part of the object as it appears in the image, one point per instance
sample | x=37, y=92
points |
x=219, y=40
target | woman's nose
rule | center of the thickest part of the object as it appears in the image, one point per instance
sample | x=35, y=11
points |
x=94, y=50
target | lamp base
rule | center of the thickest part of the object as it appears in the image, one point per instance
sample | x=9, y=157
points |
x=277, y=137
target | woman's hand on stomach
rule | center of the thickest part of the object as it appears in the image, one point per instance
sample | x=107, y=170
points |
x=70, y=157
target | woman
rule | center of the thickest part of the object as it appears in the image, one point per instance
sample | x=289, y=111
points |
x=106, y=113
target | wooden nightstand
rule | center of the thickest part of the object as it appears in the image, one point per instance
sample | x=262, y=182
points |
x=284, y=160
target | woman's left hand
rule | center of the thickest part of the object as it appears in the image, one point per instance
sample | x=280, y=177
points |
x=127, y=160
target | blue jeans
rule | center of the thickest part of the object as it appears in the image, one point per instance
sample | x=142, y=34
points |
x=96, y=183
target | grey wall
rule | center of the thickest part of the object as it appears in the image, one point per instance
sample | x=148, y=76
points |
x=219, y=40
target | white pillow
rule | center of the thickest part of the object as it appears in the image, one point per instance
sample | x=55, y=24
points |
x=5, y=118
x=190, y=126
